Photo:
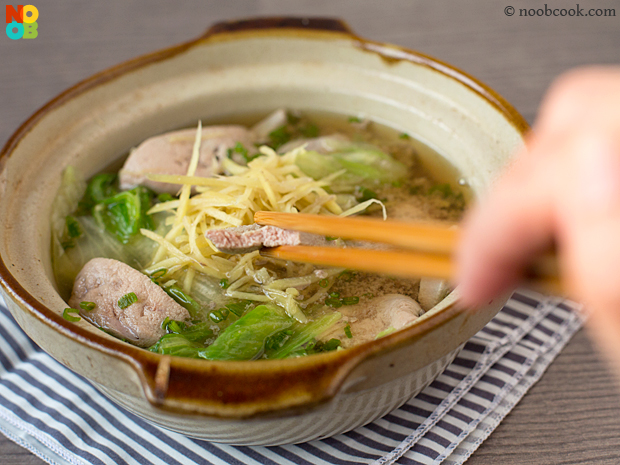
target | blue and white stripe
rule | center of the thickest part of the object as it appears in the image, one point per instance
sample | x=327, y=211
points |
x=63, y=419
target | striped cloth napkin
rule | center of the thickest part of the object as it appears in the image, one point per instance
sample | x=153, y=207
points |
x=63, y=419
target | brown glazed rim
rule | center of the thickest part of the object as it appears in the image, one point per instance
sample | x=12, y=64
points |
x=255, y=388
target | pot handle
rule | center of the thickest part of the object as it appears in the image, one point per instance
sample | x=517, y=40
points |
x=279, y=22
x=244, y=388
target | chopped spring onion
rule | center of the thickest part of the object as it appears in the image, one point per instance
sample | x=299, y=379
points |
x=173, y=326
x=404, y=135
x=278, y=137
x=164, y=324
x=217, y=316
x=332, y=344
x=365, y=194
x=317, y=347
x=347, y=275
x=350, y=300
x=87, y=306
x=324, y=282
x=239, y=148
x=158, y=274
x=182, y=340
x=183, y=299
x=127, y=300
x=224, y=284
x=278, y=340
x=354, y=119
x=347, y=331
x=73, y=227
x=333, y=302
x=66, y=315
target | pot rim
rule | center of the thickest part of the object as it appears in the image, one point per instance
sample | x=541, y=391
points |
x=156, y=372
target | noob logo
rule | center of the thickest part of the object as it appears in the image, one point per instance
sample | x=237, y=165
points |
x=22, y=22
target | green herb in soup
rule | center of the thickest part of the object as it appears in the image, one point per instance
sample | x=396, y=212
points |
x=164, y=253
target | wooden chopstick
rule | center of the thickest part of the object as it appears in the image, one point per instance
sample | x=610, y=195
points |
x=427, y=237
x=433, y=245
x=399, y=263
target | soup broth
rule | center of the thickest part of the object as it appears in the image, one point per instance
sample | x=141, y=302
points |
x=166, y=260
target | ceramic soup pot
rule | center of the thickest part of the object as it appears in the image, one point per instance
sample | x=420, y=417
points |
x=246, y=67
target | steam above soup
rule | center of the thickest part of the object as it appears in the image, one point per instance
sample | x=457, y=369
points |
x=164, y=253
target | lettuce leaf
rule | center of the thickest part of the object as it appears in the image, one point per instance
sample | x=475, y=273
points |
x=245, y=338
x=304, y=334
x=364, y=164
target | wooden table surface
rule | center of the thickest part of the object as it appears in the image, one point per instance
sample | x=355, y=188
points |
x=572, y=415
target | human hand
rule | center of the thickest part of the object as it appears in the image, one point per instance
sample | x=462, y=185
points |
x=563, y=188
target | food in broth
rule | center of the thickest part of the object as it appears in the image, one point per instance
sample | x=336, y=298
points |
x=164, y=253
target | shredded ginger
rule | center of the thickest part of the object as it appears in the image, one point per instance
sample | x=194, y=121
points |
x=270, y=182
